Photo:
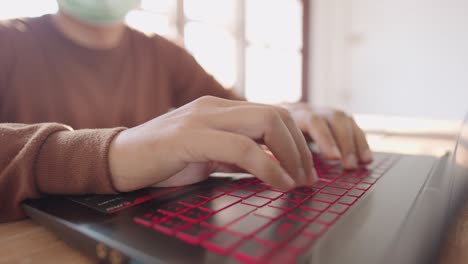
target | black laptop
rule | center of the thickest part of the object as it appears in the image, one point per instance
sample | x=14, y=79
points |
x=391, y=211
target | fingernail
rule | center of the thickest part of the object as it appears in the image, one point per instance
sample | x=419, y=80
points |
x=335, y=152
x=314, y=176
x=351, y=161
x=302, y=175
x=289, y=182
x=367, y=156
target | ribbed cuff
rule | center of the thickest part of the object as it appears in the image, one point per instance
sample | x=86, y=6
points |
x=76, y=162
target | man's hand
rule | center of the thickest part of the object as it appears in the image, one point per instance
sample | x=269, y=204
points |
x=336, y=134
x=208, y=131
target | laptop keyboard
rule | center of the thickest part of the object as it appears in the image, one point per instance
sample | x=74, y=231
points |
x=248, y=220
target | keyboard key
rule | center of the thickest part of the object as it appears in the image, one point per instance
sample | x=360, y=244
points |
x=252, y=251
x=342, y=185
x=320, y=184
x=270, y=212
x=210, y=194
x=149, y=219
x=256, y=201
x=350, y=179
x=193, y=201
x=249, y=224
x=194, y=234
x=221, y=242
x=281, y=203
x=338, y=208
x=270, y=194
x=334, y=191
x=349, y=200
x=172, y=208
x=327, y=218
x=195, y=215
x=369, y=180
x=241, y=182
x=305, y=190
x=299, y=243
x=356, y=193
x=256, y=187
x=280, y=230
x=315, y=205
x=220, y=203
x=303, y=214
x=328, y=198
x=242, y=193
x=363, y=186
x=225, y=188
x=170, y=225
x=315, y=229
x=282, y=256
x=229, y=215
x=295, y=197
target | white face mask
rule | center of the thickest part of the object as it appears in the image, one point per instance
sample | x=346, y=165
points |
x=98, y=12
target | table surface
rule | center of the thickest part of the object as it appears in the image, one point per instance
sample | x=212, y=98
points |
x=27, y=242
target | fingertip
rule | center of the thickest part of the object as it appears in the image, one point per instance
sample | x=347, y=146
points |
x=335, y=152
x=351, y=162
x=288, y=182
x=366, y=156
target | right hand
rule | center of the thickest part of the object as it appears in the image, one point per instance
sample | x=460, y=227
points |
x=210, y=130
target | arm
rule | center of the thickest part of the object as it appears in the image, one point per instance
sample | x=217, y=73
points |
x=50, y=158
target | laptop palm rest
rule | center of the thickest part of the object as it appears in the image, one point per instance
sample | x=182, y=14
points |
x=365, y=234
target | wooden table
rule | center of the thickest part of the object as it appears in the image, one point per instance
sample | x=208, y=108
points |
x=27, y=242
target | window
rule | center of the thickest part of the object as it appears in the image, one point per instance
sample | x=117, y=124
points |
x=252, y=46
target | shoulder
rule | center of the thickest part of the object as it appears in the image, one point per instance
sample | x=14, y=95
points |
x=161, y=45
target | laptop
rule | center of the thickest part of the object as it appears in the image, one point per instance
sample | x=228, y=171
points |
x=394, y=210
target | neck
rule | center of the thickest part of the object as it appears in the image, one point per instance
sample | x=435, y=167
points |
x=89, y=36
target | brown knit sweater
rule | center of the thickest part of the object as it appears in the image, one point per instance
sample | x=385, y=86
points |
x=61, y=104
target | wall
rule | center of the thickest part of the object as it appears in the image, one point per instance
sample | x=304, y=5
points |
x=393, y=57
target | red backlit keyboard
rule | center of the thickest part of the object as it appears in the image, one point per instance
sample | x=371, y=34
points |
x=247, y=219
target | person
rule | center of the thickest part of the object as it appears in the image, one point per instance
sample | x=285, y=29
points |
x=84, y=108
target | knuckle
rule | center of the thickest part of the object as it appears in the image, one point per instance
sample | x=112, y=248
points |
x=270, y=116
x=339, y=115
x=204, y=100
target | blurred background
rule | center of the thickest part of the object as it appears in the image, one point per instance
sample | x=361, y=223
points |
x=379, y=57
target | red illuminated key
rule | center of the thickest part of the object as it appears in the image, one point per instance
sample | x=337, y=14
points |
x=229, y=215
x=363, y=186
x=249, y=224
x=282, y=203
x=343, y=185
x=280, y=230
x=270, y=194
x=282, y=256
x=150, y=219
x=242, y=193
x=303, y=214
x=194, y=234
x=194, y=215
x=252, y=251
x=210, y=194
x=170, y=225
x=299, y=243
x=172, y=208
x=349, y=200
x=327, y=218
x=334, y=191
x=320, y=184
x=350, y=179
x=193, y=201
x=369, y=180
x=338, y=208
x=221, y=242
x=270, y=212
x=256, y=201
x=305, y=190
x=220, y=203
x=255, y=187
x=315, y=229
x=356, y=193
x=295, y=197
x=225, y=188
x=315, y=205
x=328, y=198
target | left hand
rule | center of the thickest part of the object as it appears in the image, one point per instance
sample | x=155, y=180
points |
x=336, y=133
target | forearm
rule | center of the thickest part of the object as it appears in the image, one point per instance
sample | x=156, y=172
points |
x=50, y=158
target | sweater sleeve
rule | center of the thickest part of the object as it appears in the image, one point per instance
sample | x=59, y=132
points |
x=188, y=79
x=51, y=158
